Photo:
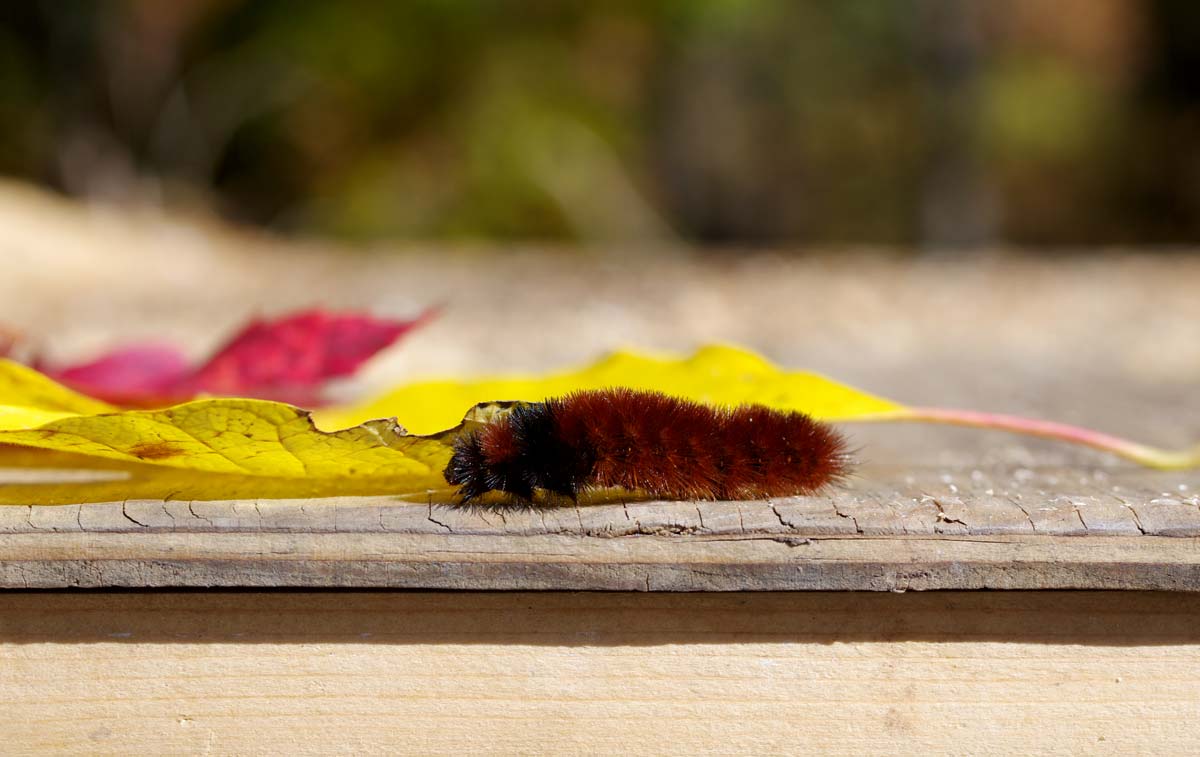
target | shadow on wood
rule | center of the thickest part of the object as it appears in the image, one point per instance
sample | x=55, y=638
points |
x=596, y=619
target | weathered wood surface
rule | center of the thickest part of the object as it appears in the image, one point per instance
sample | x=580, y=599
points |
x=432, y=673
x=889, y=530
x=879, y=501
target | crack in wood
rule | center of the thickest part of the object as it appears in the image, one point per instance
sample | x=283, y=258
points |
x=437, y=522
x=130, y=518
x=837, y=510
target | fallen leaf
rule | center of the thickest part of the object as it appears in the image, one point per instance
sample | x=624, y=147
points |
x=222, y=449
x=139, y=374
x=21, y=386
x=717, y=375
x=288, y=359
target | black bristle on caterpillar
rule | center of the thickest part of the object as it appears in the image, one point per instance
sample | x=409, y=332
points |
x=647, y=441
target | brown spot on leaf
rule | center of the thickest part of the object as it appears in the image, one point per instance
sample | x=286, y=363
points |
x=155, y=450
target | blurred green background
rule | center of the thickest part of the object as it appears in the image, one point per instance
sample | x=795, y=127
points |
x=932, y=123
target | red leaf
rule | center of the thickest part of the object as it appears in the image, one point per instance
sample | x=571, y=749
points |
x=293, y=356
x=134, y=375
x=289, y=359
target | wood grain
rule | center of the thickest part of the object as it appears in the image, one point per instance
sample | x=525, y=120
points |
x=537, y=673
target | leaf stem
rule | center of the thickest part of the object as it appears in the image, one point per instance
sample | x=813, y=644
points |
x=1152, y=457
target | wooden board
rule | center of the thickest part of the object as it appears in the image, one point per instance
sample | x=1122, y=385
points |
x=892, y=529
x=526, y=673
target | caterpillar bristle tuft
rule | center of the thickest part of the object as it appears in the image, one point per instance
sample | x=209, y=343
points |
x=649, y=442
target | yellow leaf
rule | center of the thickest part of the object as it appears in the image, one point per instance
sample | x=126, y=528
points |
x=19, y=417
x=718, y=375
x=229, y=448
x=21, y=386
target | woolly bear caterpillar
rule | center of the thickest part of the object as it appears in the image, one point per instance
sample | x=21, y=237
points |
x=647, y=441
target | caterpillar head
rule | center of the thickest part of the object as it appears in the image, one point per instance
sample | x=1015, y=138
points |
x=517, y=453
x=487, y=460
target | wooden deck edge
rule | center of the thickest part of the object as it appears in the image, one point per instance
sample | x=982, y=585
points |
x=563, y=562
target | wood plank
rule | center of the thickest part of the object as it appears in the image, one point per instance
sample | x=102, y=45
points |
x=880, y=501
x=892, y=528
x=529, y=673
x=680, y=562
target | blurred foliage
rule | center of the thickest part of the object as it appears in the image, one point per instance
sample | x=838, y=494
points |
x=727, y=121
